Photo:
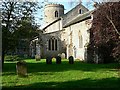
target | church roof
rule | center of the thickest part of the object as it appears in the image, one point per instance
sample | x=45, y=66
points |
x=51, y=23
x=76, y=7
x=78, y=18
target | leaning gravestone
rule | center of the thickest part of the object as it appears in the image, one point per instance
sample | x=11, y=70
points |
x=58, y=60
x=71, y=60
x=21, y=68
x=63, y=55
x=49, y=60
x=37, y=57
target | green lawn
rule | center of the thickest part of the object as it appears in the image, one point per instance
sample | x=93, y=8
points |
x=64, y=75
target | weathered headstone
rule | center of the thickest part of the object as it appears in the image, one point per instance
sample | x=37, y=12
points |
x=25, y=55
x=37, y=57
x=21, y=68
x=71, y=60
x=63, y=55
x=58, y=60
x=49, y=60
x=59, y=55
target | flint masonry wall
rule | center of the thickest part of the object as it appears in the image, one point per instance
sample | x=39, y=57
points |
x=49, y=12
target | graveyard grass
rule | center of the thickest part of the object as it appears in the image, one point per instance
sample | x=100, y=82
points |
x=64, y=75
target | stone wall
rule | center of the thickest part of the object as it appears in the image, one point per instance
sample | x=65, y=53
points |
x=54, y=27
x=73, y=32
x=49, y=12
x=60, y=44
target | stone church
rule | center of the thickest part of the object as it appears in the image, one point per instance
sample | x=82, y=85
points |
x=66, y=33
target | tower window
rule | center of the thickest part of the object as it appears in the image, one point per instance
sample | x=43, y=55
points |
x=56, y=13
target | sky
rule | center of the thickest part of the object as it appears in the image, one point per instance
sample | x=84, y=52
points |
x=68, y=5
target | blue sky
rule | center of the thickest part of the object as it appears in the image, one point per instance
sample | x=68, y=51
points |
x=68, y=5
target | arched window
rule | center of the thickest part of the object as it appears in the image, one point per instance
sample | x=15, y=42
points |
x=49, y=44
x=56, y=13
x=52, y=44
x=80, y=41
x=56, y=44
x=80, y=11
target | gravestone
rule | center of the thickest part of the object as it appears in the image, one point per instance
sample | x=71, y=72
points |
x=49, y=60
x=63, y=55
x=71, y=60
x=59, y=55
x=37, y=57
x=21, y=68
x=58, y=60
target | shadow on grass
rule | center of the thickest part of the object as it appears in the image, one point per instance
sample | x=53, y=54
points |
x=64, y=66
x=84, y=83
x=8, y=73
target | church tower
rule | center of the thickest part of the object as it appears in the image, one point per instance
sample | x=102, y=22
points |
x=53, y=12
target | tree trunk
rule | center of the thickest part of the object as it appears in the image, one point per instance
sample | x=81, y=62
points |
x=3, y=55
x=113, y=25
